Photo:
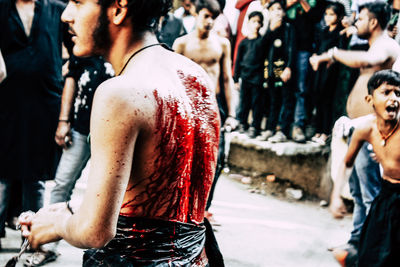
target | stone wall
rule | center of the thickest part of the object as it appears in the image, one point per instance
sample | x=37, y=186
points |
x=304, y=165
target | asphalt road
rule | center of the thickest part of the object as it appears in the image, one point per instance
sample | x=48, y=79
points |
x=255, y=231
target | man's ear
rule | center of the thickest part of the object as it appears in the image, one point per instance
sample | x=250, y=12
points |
x=373, y=23
x=119, y=11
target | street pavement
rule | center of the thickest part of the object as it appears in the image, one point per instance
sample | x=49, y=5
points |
x=255, y=231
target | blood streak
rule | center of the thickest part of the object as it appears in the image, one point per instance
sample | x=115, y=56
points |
x=188, y=125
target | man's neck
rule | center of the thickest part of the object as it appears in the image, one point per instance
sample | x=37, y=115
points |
x=125, y=46
x=202, y=34
x=375, y=35
x=252, y=36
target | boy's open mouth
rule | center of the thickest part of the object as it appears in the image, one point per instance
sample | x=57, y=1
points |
x=392, y=108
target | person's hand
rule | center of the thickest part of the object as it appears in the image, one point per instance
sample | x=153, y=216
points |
x=275, y=23
x=43, y=227
x=237, y=86
x=393, y=32
x=347, y=22
x=337, y=208
x=63, y=134
x=315, y=60
x=349, y=31
x=231, y=122
x=286, y=75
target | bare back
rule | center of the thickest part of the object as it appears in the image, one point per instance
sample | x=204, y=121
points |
x=390, y=50
x=176, y=149
x=209, y=53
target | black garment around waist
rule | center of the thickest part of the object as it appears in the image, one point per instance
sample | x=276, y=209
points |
x=150, y=242
x=380, y=236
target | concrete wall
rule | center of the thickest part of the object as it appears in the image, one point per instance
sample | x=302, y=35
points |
x=305, y=165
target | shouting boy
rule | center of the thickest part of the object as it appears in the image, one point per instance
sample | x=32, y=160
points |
x=380, y=239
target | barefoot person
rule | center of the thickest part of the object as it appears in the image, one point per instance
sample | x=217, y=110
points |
x=383, y=51
x=212, y=52
x=379, y=243
x=154, y=141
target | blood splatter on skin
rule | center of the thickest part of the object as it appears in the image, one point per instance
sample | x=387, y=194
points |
x=188, y=126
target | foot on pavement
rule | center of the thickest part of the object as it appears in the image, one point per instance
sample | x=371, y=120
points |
x=40, y=258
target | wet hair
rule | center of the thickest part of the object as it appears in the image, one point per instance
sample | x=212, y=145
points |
x=211, y=5
x=273, y=2
x=257, y=14
x=144, y=14
x=380, y=10
x=338, y=9
x=390, y=77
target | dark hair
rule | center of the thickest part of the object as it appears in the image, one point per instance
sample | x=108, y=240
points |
x=257, y=14
x=338, y=8
x=273, y=2
x=381, y=11
x=211, y=5
x=384, y=76
x=144, y=14
x=222, y=4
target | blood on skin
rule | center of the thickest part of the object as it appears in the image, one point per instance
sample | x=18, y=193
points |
x=188, y=126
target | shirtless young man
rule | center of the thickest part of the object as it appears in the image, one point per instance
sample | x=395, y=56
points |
x=213, y=53
x=383, y=51
x=380, y=241
x=154, y=142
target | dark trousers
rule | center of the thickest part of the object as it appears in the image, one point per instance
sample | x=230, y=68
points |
x=32, y=198
x=281, y=106
x=252, y=97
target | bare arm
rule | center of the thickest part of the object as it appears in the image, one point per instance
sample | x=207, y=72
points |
x=343, y=173
x=114, y=130
x=227, y=77
x=179, y=46
x=67, y=99
x=3, y=71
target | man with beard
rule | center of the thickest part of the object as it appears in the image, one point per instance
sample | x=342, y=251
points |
x=365, y=180
x=154, y=141
x=212, y=52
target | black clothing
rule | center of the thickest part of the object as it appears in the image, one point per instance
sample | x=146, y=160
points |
x=380, y=236
x=30, y=102
x=150, y=242
x=249, y=64
x=171, y=28
x=88, y=73
x=326, y=79
x=280, y=54
x=252, y=97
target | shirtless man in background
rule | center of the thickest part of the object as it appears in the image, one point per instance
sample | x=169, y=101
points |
x=365, y=181
x=213, y=53
x=154, y=142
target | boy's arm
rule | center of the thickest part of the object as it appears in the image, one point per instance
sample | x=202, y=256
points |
x=228, y=82
x=337, y=207
x=178, y=45
x=239, y=59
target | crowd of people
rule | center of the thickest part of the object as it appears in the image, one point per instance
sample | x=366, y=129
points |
x=296, y=65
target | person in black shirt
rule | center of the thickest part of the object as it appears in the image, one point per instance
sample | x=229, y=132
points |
x=326, y=78
x=248, y=73
x=169, y=29
x=279, y=63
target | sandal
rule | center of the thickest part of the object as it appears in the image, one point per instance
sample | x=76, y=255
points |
x=40, y=258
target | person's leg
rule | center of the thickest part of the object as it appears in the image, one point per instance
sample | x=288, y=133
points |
x=286, y=110
x=274, y=106
x=258, y=105
x=32, y=195
x=301, y=87
x=4, y=201
x=72, y=162
x=245, y=104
